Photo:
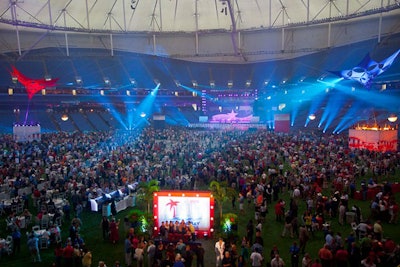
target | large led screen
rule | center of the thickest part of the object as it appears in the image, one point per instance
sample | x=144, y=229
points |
x=194, y=206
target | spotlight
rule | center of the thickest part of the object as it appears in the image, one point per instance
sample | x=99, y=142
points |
x=194, y=83
x=311, y=117
x=248, y=83
x=230, y=84
x=64, y=117
x=212, y=84
x=392, y=118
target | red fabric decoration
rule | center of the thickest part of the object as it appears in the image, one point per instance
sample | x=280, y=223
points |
x=32, y=86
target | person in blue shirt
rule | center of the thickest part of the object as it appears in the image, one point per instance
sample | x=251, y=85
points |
x=294, y=252
x=33, y=246
x=178, y=261
x=16, y=236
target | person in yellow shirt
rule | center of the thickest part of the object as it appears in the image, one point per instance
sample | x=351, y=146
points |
x=87, y=258
x=192, y=231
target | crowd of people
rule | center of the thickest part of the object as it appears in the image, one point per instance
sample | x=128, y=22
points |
x=261, y=165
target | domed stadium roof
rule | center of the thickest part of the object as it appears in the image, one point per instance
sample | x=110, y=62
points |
x=196, y=30
x=182, y=15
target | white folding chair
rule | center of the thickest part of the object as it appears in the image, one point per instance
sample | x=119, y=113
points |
x=9, y=245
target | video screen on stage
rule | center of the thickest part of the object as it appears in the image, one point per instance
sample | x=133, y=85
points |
x=194, y=206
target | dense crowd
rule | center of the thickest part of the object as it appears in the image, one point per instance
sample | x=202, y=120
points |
x=260, y=165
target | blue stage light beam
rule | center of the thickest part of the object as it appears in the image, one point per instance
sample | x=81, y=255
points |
x=317, y=95
x=116, y=114
x=295, y=111
x=176, y=117
x=144, y=110
x=333, y=107
x=199, y=93
x=130, y=111
x=350, y=118
x=374, y=98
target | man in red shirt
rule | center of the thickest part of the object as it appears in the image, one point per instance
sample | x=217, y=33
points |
x=341, y=257
x=68, y=254
x=325, y=256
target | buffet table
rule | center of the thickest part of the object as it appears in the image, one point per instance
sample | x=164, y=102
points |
x=99, y=204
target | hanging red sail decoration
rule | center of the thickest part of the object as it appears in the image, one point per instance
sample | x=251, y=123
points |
x=32, y=86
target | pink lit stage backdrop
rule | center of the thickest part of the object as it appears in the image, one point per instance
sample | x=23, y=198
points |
x=282, y=123
x=374, y=140
x=242, y=114
x=197, y=207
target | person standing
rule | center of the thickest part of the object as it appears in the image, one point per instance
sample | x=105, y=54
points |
x=294, y=254
x=128, y=251
x=178, y=261
x=316, y=263
x=113, y=208
x=288, y=227
x=58, y=253
x=303, y=238
x=341, y=257
x=226, y=261
x=219, y=251
x=306, y=261
x=250, y=231
x=87, y=258
x=378, y=230
x=68, y=254
x=256, y=258
x=105, y=227
x=325, y=256
x=200, y=255
x=16, y=237
x=114, y=233
x=79, y=209
x=188, y=256
x=277, y=261
x=151, y=251
x=33, y=246
x=139, y=251
x=241, y=203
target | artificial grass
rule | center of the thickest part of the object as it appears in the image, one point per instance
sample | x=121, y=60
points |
x=271, y=233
